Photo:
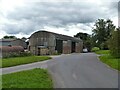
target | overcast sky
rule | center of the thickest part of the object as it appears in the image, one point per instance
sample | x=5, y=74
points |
x=23, y=17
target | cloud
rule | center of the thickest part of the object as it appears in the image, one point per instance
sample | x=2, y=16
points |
x=37, y=15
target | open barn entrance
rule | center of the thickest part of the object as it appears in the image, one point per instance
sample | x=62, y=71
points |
x=73, y=47
x=59, y=46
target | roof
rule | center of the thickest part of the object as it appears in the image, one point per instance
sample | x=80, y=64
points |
x=61, y=36
x=11, y=48
x=7, y=40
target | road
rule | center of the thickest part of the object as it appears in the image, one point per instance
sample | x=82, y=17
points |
x=82, y=71
x=75, y=71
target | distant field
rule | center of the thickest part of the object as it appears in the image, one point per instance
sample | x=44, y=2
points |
x=8, y=62
x=35, y=78
x=108, y=59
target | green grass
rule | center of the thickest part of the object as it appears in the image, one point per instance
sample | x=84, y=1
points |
x=111, y=61
x=108, y=59
x=35, y=78
x=8, y=62
x=103, y=52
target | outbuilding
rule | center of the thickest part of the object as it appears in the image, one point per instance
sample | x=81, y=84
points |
x=44, y=42
x=13, y=42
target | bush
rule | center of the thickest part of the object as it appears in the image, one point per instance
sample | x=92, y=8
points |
x=16, y=54
x=95, y=49
x=104, y=46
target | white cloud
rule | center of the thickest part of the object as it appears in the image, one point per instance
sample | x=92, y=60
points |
x=23, y=17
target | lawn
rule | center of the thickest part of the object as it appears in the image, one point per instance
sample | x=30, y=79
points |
x=35, y=78
x=103, y=52
x=8, y=62
x=108, y=59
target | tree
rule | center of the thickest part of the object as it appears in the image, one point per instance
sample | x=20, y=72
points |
x=82, y=36
x=86, y=40
x=9, y=37
x=102, y=32
x=114, y=43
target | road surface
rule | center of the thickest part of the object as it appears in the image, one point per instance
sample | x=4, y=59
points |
x=75, y=71
x=82, y=71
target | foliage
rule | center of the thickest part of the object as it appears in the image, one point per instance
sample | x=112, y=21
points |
x=35, y=78
x=114, y=43
x=8, y=62
x=18, y=54
x=94, y=49
x=9, y=37
x=103, y=52
x=104, y=46
x=82, y=36
x=102, y=32
x=86, y=40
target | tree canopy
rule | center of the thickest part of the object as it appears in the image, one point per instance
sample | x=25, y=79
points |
x=86, y=39
x=102, y=32
x=9, y=37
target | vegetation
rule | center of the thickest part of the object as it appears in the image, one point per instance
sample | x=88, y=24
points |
x=8, y=62
x=114, y=43
x=9, y=37
x=36, y=78
x=108, y=59
x=86, y=40
x=95, y=49
x=101, y=33
x=19, y=54
x=111, y=61
x=103, y=52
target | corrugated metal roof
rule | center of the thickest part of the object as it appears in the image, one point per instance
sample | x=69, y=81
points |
x=61, y=36
x=11, y=48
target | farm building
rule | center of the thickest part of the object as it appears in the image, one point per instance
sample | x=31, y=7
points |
x=13, y=42
x=44, y=42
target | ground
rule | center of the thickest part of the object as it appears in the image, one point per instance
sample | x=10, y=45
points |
x=108, y=59
x=83, y=70
x=8, y=62
x=35, y=78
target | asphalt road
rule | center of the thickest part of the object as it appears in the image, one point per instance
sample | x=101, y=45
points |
x=75, y=71
x=81, y=71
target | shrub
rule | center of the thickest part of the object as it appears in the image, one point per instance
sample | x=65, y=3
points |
x=16, y=54
x=95, y=49
x=104, y=46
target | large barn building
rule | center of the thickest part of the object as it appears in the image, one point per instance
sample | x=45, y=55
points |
x=44, y=42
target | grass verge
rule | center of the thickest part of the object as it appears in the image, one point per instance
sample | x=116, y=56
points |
x=103, y=52
x=35, y=78
x=8, y=62
x=108, y=59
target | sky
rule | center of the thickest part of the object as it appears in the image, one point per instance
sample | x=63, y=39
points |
x=21, y=18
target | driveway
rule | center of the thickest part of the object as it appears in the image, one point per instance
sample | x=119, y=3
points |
x=75, y=71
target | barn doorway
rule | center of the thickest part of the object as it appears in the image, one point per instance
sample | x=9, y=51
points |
x=73, y=47
x=59, y=46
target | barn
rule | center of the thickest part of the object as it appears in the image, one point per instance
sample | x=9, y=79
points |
x=44, y=42
x=13, y=42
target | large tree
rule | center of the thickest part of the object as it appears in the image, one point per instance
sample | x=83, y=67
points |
x=102, y=32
